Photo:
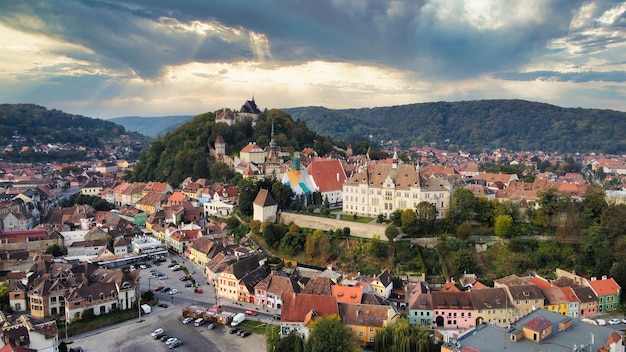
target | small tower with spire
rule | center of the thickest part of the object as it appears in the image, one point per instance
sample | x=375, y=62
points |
x=394, y=161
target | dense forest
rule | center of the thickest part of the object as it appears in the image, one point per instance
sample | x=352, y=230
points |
x=475, y=125
x=29, y=125
x=184, y=152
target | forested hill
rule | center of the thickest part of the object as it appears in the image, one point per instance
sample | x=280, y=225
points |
x=30, y=125
x=474, y=125
x=184, y=152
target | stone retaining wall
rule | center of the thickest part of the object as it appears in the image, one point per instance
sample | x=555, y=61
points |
x=357, y=229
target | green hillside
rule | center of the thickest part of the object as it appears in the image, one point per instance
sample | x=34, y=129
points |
x=184, y=152
x=30, y=125
x=475, y=125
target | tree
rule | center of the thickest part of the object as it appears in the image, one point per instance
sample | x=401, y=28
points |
x=595, y=201
x=391, y=232
x=462, y=204
x=345, y=232
x=147, y=296
x=402, y=337
x=408, y=219
x=220, y=172
x=248, y=190
x=329, y=334
x=282, y=194
x=290, y=343
x=292, y=243
x=55, y=250
x=377, y=248
x=464, y=261
x=426, y=214
x=271, y=235
x=255, y=226
x=503, y=225
x=396, y=217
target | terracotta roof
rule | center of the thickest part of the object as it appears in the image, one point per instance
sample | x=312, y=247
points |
x=202, y=245
x=296, y=307
x=538, y=324
x=604, y=287
x=327, y=174
x=252, y=148
x=347, y=294
x=403, y=177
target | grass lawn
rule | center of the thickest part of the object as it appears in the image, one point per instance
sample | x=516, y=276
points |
x=98, y=321
x=256, y=327
x=358, y=218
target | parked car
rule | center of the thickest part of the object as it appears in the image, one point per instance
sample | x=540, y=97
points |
x=173, y=291
x=171, y=339
x=614, y=321
x=163, y=305
x=165, y=338
x=601, y=322
x=174, y=344
x=187, y=320
x=624, y=321
x=184, y=278
x=251, y=312
x=165, y=289
x=163, y=277
x=76, y=349
x=211, y=326
x=276, y=316
x=233, y=330
x=156, y=332
x=245, y=334
x=188, y=284
x=158, y=336
x=160, y=288
x=198, y=290
x=171, y=265
x=151, y=276
x=143, y=266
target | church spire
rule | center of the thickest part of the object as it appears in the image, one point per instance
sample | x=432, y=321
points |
x=272, y=140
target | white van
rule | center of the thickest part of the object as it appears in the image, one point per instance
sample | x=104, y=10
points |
x=601, y=322
x=198, y=322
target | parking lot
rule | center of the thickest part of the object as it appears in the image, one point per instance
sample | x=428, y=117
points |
x=135, y=336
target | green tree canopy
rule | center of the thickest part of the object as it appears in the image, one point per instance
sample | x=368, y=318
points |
x=329, y=334
x=503, y=225
x=463, y=204
x=402, y=337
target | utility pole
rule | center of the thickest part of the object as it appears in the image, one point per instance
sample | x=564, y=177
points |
x=139, y=300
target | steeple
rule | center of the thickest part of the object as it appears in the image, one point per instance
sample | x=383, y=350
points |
x=394, y=161
x=272, y=140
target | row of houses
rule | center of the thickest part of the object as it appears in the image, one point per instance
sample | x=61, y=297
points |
x=53, y=288
x=511, y=298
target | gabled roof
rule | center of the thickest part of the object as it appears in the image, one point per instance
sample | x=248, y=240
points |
x=264, y=198
x=363, y=314
x=319, y=285
x=347, y=294
x=243, y=266
x=605, y=287
x=296, y=307
x=491, y=298
x=538, y=324
x=328, y=174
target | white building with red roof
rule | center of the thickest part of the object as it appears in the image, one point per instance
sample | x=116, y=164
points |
x=328, y=177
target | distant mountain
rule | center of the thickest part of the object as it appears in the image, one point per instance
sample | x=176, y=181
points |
x=33, y=133
x=152, y=126
x=475, y=125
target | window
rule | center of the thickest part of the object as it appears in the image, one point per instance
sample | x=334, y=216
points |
x=53, y=299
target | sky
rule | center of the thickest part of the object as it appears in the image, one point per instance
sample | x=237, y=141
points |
x=106, y=59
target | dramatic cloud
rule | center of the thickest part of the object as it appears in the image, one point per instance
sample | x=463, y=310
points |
x=157, y=57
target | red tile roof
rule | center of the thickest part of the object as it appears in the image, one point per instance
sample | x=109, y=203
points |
x=328, y=174
x=296, y=307
x=605, y=287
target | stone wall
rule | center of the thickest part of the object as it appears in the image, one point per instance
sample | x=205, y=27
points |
x=357, y=229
